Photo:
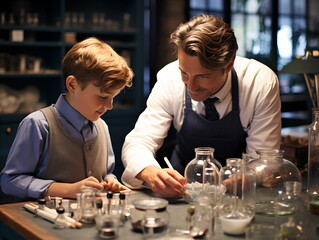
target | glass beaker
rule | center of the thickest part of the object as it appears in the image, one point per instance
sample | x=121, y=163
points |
x=150, y=216
x=291, y=211
x=234, y=214
x=88, y=205
x=202, y=225
x=108, y=225
x=272, y=171
x=195, y=170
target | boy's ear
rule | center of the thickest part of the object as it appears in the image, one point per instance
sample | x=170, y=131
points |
x=71, y=83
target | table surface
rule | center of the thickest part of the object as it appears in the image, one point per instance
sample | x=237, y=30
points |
x=33, y=227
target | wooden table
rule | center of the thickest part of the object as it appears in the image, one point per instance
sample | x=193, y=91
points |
x=15, y=222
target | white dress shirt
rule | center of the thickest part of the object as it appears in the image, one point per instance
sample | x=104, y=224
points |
x=260, y=113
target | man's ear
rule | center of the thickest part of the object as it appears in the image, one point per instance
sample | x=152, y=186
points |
x=71, y=83
x=230, y=65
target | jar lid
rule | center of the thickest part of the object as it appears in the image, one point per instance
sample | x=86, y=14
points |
x=150, y=204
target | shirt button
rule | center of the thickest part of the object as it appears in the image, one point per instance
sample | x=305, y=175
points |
x=88, y=147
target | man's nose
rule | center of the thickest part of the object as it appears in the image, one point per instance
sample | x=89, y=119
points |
x=192, y=85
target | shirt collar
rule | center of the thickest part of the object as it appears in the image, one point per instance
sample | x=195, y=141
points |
x=70, y=114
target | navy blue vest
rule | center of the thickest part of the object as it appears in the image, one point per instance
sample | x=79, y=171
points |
x=225, y=135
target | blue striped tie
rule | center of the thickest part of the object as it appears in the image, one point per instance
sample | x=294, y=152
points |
x=210, y=110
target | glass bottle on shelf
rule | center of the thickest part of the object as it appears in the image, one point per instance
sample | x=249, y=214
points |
x=272, y=171
x=235, y=214
x=291, y=211
x=313, y=159
x=195, y=171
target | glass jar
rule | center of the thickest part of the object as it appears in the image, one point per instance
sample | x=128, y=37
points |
x=88, y=206
x=313, y=158
x=272, y=171
x=249, y=184
x=204, y=168
x=291, y=211
x=150, y=215
x=202, y=225
x=108, y=225
x=235, y=214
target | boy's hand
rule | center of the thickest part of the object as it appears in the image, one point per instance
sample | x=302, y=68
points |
x=90, y=182
x=112, y=184
x=69, y=190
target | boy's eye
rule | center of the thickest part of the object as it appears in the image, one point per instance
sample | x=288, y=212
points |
x=102, y=98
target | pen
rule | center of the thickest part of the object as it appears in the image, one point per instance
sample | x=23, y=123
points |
x=168, y=163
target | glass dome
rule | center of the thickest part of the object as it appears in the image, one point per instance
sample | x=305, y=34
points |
x=272, y=171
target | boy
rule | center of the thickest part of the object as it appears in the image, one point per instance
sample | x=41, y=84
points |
x=63, y=148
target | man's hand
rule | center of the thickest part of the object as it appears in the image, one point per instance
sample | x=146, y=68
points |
x=166, y=182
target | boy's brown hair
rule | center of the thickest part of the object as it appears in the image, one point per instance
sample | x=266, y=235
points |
x=93, y=60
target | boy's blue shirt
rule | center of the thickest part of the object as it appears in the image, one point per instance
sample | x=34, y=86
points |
x=28, y=155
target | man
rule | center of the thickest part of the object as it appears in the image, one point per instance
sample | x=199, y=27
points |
x=248, y=107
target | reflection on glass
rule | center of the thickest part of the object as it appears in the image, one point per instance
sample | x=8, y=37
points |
x=300, y=7
x=197, y=3
x=284, y=43
x=285, y=7
x=237, y=5
x=216, y=5
x=252, y=6
x=238, y=26
x=300, y=27
x=266, y=7
x=195, y=13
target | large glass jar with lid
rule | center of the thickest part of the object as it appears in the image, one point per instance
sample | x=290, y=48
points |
x=236, y=208
x=272, y=171
x=204, y=168
x=150, y=215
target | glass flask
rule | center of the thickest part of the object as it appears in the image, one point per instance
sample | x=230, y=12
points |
x=155, y=221
x=78, y=210
x=60, y=221
x=272, y=171
x=195, y=171
x=202, y=225
x=313, y=158
x=291, y=211
x=125, y=207
x=248, y=184
x=234, y=213
x=88, y=205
